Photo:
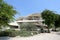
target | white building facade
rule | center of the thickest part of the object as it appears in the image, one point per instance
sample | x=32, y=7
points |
x=33, y=18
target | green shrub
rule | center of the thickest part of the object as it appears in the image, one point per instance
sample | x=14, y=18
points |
x=25, y=33
x=10, y=33
x=28, y=26
x=3, y=33
x=13, y=33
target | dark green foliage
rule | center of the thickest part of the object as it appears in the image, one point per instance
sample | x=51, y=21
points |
x=10, y=33
x=14, y=33
x=49, y=17
x=57, y=22
x=4, y=33
x=7, y=13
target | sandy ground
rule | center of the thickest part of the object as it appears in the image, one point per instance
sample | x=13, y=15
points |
x=42, y=36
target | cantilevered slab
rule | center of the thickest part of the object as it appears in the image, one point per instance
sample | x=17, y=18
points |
x=30, y=20
x=13, y=23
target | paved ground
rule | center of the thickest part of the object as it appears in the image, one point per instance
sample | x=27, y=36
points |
x=42, y=36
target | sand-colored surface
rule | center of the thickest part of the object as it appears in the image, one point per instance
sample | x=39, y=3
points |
x=42, y=36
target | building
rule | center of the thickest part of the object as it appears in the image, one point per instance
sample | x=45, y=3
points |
x=35, y=18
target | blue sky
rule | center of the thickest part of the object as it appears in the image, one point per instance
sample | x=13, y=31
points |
x=26, y=7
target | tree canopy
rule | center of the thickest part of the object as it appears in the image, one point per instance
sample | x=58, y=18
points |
x=50, y=17
x=7, y=13
x=57, y=22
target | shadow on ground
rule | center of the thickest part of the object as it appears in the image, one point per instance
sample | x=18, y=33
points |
x=58, y=33
x=4, y=38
